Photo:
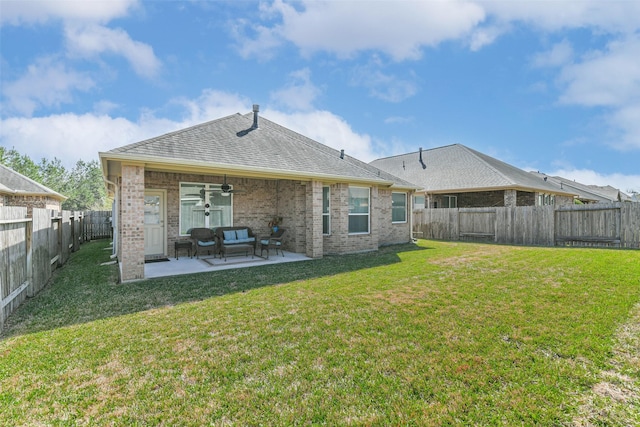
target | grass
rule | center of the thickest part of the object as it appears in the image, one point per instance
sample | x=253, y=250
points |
x=430, y=334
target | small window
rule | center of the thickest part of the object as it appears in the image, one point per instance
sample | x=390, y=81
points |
x=546, y=199
x=449, y=201
x=398, y=207
x=359, y=198
x=326, y=217
x=418, y=202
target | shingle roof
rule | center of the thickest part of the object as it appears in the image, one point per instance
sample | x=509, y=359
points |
x=16, y=184
x=592, y=193
x=231, y=141
x=461, y=169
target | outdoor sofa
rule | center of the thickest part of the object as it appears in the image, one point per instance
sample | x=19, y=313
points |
x=235, y=240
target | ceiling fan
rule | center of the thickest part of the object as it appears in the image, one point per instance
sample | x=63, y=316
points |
x=225, y=189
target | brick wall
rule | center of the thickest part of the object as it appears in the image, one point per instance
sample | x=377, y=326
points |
x=30, y=202
x=299, y=203
x=392, y=233
x=131, y=226
x=255, y=203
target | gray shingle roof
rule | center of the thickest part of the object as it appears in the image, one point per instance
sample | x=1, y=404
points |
x=231, y=141
x=591, y=193
x=461, y=169
x=16, y=184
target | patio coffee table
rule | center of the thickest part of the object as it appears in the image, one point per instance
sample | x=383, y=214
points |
x=236, y=249
x=183, y=244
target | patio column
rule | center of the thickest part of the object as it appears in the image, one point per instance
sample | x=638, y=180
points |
x=313, y=220
x=510, y=198
x=131, y=225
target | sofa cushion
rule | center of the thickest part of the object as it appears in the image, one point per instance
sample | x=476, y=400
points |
x=229, y=235
x=208, y=243
x=243, y=233
x=266, y=242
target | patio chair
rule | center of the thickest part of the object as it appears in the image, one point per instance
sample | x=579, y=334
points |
x=274, y=241
x=204, y=238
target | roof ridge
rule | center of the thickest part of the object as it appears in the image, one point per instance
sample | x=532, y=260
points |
x=481, y=156
x=169, y=134
x=321, y=148
x=415, y=152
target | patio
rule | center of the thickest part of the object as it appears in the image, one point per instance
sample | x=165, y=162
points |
x=186, y=265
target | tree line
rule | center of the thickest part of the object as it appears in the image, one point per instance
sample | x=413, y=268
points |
x=83, y=185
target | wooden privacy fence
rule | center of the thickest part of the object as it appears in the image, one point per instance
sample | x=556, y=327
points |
x=96, y=225
x=599, y=225
x=31, y=249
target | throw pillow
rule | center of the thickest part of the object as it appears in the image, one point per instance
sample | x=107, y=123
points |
x=229, y=235
x=242, y=234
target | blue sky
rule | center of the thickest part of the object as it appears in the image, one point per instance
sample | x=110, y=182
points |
x=547, y=85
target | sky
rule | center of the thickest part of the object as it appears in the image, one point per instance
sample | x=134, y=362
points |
x=544, y=85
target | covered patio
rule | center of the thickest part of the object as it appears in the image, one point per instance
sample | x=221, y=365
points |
x=209, y=263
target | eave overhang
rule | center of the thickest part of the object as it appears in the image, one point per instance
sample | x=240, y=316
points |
x=160, y=164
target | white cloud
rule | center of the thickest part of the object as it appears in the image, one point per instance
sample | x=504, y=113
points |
x=399, y=29
x=91, y=40
x=384, y=86
x=73, y=137
x=624, y=183
x=627, y=121
x=299, y=94
x=47, y=83
x=609, y=78
x=69, y=137
x=211, y=104
x=40, y=11
x=559, y=55
x=484, y=36
x=605, y=78
x=616, y=16
x=327, y=128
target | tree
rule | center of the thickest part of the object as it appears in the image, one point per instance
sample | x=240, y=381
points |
x=83, y=185
x=87, y=190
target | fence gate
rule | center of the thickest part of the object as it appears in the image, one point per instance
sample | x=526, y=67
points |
x=96, y=225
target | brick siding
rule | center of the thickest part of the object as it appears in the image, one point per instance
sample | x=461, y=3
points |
x=131, y=225
x=299, y=203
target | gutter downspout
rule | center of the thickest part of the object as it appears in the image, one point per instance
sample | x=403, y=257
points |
x=114, y=216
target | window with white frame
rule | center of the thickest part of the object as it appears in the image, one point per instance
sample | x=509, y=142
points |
x=204, y=205
x=359, y=202
x=418, y=202
x=398, y=207
x=546, y=199
x=450, y=201
x=326, y=216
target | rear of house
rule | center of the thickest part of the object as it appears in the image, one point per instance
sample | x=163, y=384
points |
x=244, y=170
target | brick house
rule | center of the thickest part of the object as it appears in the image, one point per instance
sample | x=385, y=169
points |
x=244, y=170
x=455, y=176
x=18, y=190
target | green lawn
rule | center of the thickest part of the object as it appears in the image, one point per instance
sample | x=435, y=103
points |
x=430, y=334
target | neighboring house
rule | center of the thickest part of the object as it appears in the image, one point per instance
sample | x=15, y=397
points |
x=244, y=170
x=18, y=190
x=586, y=193
x=457, y=176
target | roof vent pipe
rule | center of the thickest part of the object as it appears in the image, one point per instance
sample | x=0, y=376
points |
x=342, y=153
x=421, y=162
x=256, y=108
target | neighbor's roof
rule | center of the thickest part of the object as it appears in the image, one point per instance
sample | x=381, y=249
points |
x=591, y=193
x=230, y=144
x=459, y=168
x=16, y=184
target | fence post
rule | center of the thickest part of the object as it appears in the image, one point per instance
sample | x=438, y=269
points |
x=28, y=231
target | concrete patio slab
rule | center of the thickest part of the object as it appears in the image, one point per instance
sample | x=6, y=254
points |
x=186, y=265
